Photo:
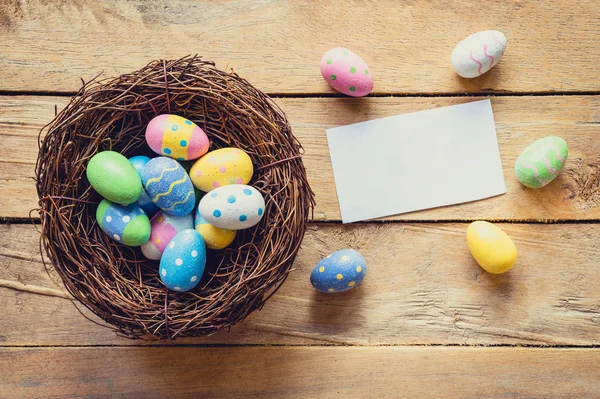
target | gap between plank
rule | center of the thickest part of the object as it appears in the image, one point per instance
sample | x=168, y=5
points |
x=175, y=345
x=483, y=93
x=37, y=221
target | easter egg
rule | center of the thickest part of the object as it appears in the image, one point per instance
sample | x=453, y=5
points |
x=338, y=272
x=176, y=137
x=491, y=247
x=169, y=186
x=346, y=72
x=541, y=161
x=214, y=237
x=114, y=177
x=220, y=168
x=183, y=261
x=163, y=228
x=478, y=53
x=138, y=162
x=127, y=224
x=187, y=165
x=232, y=207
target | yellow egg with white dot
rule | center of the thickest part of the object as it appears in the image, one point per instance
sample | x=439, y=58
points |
x=491, y=247
x=214, y=237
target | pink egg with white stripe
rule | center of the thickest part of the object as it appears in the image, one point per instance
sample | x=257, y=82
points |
x=176, y=137
x=478, y=53
x=346, y=72
x=163, y=228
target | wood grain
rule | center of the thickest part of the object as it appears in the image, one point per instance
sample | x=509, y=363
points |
x=520, y=120
x=277, y=44
x=303, y=372
x=422, y=287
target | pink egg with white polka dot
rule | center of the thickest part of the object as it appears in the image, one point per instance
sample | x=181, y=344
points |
x=163, y=227
x=346, y=72
x=176, y=137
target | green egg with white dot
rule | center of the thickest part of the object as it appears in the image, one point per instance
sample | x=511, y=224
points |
x=233, y=207
x=183, y=261
x=126, y=224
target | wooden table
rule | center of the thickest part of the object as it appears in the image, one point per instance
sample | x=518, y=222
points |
x=427, y=322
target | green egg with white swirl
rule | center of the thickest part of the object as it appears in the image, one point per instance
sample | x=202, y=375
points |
x=541, y=161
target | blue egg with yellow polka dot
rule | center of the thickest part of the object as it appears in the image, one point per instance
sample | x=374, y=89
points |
x=338, y=272
x=182, y=263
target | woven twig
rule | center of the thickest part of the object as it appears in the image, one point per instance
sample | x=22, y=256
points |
x=116, y=282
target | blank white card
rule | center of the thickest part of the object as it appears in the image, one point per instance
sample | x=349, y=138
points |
x=416, y=161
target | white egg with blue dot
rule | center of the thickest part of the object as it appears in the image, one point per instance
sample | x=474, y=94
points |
x=233, y=207
x=338, y=272
x=183, y=261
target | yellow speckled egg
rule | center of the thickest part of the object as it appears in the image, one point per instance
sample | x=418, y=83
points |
x=214, y=237
x=491, y=247
x=220, y=168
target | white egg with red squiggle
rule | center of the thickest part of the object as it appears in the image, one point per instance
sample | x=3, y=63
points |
x=478, y=53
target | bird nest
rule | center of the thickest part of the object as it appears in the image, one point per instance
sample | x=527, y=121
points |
x=117, y=282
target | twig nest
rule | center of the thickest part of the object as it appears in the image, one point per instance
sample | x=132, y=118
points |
x=118, y=282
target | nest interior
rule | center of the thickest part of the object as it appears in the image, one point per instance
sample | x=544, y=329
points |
x=116, y=282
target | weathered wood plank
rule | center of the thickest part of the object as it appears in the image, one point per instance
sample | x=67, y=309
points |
x=520, y=120
x=301, y=372
x=277, y=45
x=422, y=287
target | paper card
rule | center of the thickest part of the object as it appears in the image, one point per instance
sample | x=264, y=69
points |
x=415, y=161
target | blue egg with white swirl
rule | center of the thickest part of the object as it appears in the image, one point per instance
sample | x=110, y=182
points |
x=138, y=162
x=182, y=263
x=233, y=207
x=338, y=272
x=169, y=186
